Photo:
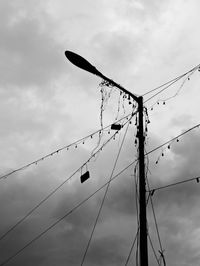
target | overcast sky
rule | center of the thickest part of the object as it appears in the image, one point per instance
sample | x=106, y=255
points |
x=47, y=103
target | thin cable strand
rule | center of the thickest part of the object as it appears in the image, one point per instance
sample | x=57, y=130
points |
x=57, y=151
x=104, y=197
x=172, y=81
x=56, y=189
x=76, y=142
x=131, y=249
x=154, y=252
x=171, y=140
x=21, y=168
x=155, y=219
x=82, y=202
x=175, y=184
x=63, y=217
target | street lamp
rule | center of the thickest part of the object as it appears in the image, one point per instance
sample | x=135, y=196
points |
x=82, y=63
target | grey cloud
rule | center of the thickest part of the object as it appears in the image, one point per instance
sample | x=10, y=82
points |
x=28, y=131
x=175, y=208
x=106, y=251
x=29, y=53
x=117, y=50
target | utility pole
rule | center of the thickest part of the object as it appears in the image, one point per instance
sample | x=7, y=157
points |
x=142, y=188
x=82, y=63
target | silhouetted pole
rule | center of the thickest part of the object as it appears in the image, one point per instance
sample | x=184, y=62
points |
x=142, y=189
x=82, y=63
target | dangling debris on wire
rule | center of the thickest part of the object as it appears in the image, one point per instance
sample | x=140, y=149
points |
x=116, y=126
x=105, y=95
x=85, y=176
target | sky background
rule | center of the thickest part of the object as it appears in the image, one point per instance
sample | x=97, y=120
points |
x=47, y=103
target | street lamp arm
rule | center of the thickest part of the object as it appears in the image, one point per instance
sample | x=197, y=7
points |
x=112, y=82
x=82, y=63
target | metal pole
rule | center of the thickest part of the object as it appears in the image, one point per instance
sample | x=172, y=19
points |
x=142, y=189
x=82, y=63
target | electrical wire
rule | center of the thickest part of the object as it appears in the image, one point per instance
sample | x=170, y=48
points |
x=172, y=81
x=57, y=188
x=104, y=197
x=82, y=202
x=136, y=238
x=65, y=147
x=35, y=162
x=154, y=252
x=175, y=138
x=132, y=246
x=63, y=217
x=150, y=191
x=155, y=220
x=156, y=225
x=65, y=181
x=175, y=184
x=116, y=175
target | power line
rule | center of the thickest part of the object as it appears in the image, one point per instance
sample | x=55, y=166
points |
x=155, y=220
x=104, y=197
x=62, y=218
x=172, y=81
x=175, y=184
x=132, y=246
x=58, y=187
x=169, y=83
x=175, y=138
x=35, y=162
x=161, y=251
x=136, y=236
x=65, y=147
x=154, y=252
x=65, y=181
x=81, y=203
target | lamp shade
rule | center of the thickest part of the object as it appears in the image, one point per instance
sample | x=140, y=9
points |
x=81, y=62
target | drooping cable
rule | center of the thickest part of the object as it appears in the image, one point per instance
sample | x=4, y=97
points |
x=162, y=258
x=104, y=197
x=123, y=170
x=56, y=152
x=155, y=220
x=131, y=249
x=35, y=162
x=138, y=223
x=82, y=202
x=175, y=138
x=63, y=217
x=169, y=83
x=172, y=81
x=57, y=188
x=98, y=131
x=176, y=183
x=153, y=249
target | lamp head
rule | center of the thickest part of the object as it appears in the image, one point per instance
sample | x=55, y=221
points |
x=82, y=63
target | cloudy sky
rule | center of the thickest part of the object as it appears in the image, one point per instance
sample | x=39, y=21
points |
x=47, y=103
